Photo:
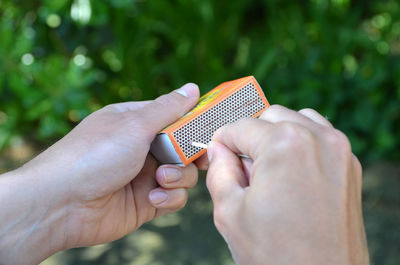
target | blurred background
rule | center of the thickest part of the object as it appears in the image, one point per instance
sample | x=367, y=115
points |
x=61, y=60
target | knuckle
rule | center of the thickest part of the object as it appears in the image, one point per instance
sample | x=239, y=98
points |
x=275, y=107
x=291, y=138
x=293, y=133
x=271, y=111
x=288, y=130
x=308, y=110
x=338, y=140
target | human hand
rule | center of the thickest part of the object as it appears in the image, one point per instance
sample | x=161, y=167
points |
x=96, y=184
x=301, y=200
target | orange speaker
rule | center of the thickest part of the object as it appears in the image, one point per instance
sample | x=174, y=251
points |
x=227, y=103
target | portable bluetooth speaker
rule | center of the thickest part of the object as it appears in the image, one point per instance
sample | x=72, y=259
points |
x=227, y=103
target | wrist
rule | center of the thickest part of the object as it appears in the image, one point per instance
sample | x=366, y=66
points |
x=32, y=218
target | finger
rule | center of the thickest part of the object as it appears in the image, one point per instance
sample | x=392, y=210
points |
x=225, y=177
x=277, y=113
x=316, y=117
x=125, y=106
x=247, y=165
x=202, y=162
x=166, y=109
x=172, y=177
x=244, y=136
x=161, y=212
x=168, y=198
x=142, y=185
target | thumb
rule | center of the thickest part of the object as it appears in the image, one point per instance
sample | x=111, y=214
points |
x=166, y=109
x=225, y=177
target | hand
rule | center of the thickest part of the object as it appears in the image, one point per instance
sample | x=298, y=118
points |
x=301, y=203
x=96, y=184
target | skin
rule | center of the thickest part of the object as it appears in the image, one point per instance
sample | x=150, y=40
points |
x=97, y=184
x=297, y=200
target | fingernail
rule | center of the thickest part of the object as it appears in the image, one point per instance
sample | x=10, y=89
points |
x=171, y=174
x=210, y=151
x=158, y=196
x=189, y=90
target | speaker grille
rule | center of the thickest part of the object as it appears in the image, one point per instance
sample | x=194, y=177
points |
x=246, y=102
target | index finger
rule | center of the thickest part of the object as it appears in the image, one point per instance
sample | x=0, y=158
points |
x=244, y=136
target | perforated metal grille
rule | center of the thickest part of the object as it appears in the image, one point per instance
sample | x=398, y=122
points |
x=244, y=103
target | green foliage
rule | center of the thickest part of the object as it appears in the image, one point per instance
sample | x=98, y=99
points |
x=62, y=59
x=339, y=57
